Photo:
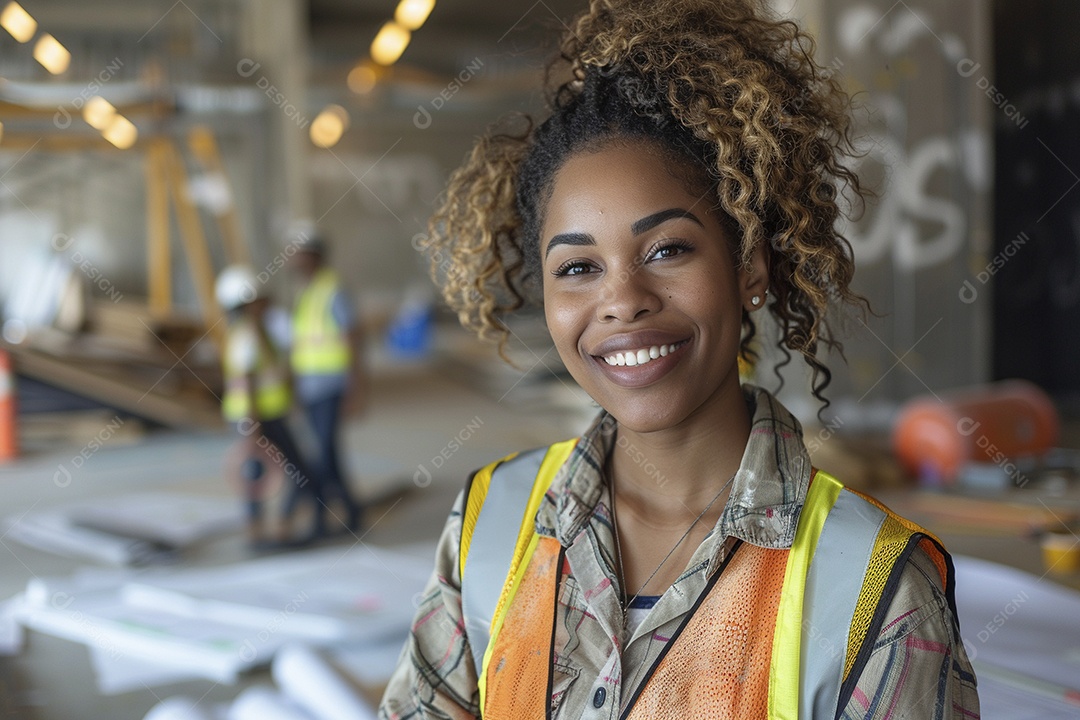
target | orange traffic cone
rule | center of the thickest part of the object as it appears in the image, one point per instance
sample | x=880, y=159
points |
x=9, y=439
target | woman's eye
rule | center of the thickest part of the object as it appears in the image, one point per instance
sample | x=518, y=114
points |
x=669, y=250
x=574, y=267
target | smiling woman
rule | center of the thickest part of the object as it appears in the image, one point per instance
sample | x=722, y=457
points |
x=681, y=558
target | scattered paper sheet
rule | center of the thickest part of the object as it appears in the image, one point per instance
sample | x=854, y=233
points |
x=1024, y=625
x=135, y=529
x=162, y=626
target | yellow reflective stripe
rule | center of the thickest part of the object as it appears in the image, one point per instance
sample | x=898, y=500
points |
x=272, y=394
x=478, y=490
x=273, y=401
x=784, y=667
x=497, y=622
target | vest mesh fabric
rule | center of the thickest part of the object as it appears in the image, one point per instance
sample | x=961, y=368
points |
x=718, y=667
x=930, y=542
x=892, y=540
x=520, y=656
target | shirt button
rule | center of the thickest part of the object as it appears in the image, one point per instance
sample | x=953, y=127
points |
x=599, y=697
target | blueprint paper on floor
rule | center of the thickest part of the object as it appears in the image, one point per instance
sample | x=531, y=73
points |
x=357, y=593
x=1021, y=623
x=115, y=674
x=168, y=625
x=136, y=529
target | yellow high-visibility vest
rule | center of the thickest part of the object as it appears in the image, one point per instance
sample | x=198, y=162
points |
x=272, y=394
x=320, y=345
x=509, y=576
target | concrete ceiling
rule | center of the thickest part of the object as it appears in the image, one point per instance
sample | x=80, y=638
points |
x=198, y=35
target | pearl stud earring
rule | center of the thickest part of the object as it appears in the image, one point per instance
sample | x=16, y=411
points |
x=755, y=301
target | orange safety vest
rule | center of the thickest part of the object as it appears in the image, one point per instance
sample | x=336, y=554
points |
x=781, y=637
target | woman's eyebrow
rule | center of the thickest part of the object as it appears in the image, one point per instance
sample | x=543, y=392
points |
x=649, y=222
x=572, y=238
x=638, y=227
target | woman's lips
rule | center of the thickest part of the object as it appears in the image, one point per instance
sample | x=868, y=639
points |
x=658, y=360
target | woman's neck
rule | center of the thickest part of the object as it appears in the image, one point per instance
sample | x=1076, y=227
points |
x=671, y=474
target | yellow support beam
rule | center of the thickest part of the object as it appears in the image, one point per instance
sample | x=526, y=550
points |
x=204, y=146
x=158, y=254
x=198, y=254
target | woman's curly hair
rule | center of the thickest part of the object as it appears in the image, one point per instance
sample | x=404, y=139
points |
x=719, y=84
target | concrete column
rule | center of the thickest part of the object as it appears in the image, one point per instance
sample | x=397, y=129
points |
x=274, y=34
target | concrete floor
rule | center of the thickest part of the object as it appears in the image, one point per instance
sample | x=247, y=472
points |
x=417, y=416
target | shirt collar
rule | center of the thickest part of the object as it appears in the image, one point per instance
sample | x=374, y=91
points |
x=766, y=495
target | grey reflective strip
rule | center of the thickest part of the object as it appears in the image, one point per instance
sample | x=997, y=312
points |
x=492, y=547
x=832, y=591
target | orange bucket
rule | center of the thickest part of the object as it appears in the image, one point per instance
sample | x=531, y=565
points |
x=993, y=424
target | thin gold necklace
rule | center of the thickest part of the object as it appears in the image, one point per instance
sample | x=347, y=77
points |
x=618, y=545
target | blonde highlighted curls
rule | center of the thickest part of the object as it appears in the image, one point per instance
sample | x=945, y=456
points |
x=719, y=82
x=472, y=245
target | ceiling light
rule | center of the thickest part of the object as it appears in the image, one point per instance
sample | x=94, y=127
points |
x=18, y=22
x=411, y=14
x=121, y=132
x=362, y=79
x=51, y=54
x=329, y=125
x=388, y=45
x=98, y=112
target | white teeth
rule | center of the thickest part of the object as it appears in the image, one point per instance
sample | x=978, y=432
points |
x=632, y=358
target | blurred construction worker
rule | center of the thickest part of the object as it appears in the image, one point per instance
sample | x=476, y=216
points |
x=327, y=364
x=257, y=400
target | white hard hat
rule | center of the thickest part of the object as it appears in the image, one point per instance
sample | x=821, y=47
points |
x=237, y=286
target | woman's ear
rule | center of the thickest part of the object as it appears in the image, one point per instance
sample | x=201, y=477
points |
x=754, y=280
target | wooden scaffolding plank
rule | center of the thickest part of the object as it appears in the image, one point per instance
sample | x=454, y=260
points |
x=158, y=254
x=117, y=392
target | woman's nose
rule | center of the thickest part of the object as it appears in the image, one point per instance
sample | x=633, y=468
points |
x=627, y=295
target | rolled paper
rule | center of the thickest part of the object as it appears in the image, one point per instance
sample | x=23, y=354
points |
x=262, y=703
x=315, y=685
